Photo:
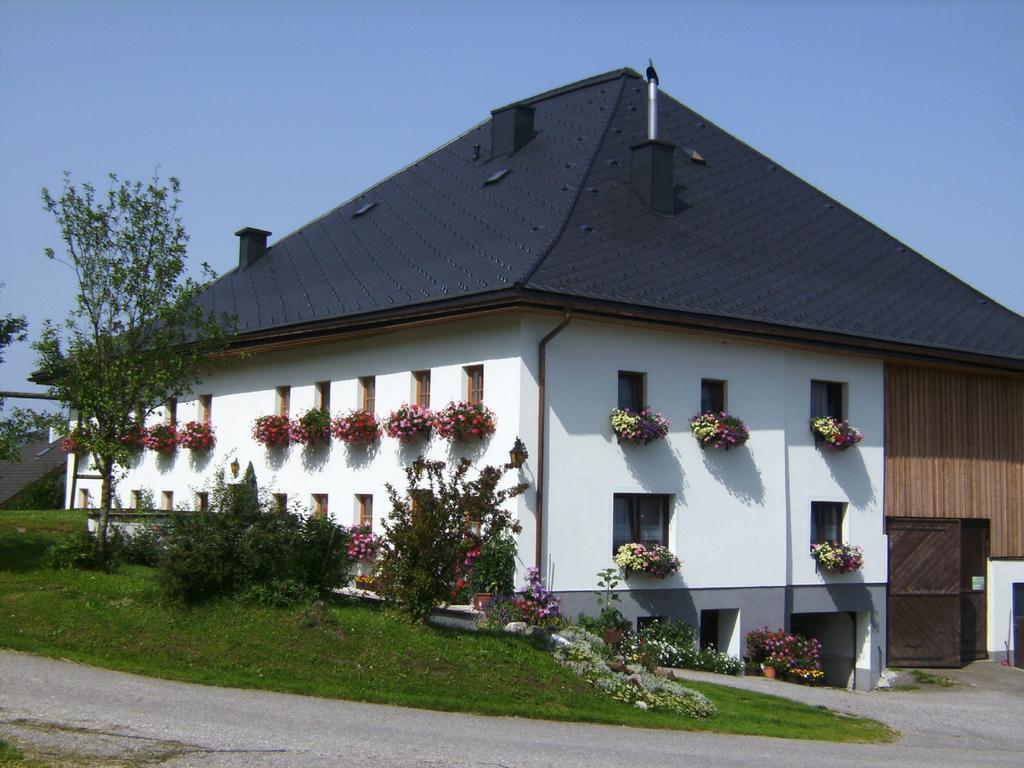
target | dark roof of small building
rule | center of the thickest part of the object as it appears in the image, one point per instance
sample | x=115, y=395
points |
x=749, y=241
x=38, y=457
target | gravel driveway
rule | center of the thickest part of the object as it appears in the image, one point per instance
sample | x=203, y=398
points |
x=78, y=715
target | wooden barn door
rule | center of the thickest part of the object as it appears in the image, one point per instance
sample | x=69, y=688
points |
x=937, y=591
x=924, y=592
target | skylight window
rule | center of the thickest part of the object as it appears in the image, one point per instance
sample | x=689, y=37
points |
x=364, y=209
x=695, y=156
x=497, y=176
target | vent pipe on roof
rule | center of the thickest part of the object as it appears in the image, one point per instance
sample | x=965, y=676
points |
x=252, y=245
x=652, y=175
x=511, y=128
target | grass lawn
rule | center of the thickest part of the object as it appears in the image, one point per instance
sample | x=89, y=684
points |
x=119, y=621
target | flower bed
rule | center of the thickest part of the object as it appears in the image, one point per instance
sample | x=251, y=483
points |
x=356, y=427
x=838, y=434
x=162, y=438
x=271, y=431
x=535, y=604
x=196, y=436
x=652, y=559
x=838, y=558
x=639, y=427
x=465, y=420
x=409, y=421
x=718, y=430
x=314, y=426
x=792, y=656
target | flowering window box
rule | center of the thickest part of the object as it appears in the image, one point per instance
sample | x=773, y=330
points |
x=838, y=558
x=465, y=420
x=835, y=433
x=356, y=427
x=271, y=431
x=197, y=436
x=312, y=427
x=718, y=430
x=409, y=421
x=134, y=438
x=363, y=545
x=651, y=559
x=162, y=438
x=639, y=426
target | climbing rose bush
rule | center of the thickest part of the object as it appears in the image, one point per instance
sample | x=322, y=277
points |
x=652, y=559
x=356, y=427
x=196, y=436
x=838, y=558
x=409, y=421
x=314, y=426
x=162, y=438
x=464, y=420
x=271, y=431
x=838, y=434
x=719, y=430
x=639, y=426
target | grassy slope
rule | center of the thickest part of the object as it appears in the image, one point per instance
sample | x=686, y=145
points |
x=119, y=621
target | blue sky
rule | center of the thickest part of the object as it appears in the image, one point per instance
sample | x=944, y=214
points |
x=912, y=114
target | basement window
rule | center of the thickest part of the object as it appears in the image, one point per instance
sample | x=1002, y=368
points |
x=497, y=176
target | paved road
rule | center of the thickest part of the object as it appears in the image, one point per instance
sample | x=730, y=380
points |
x=106, y=717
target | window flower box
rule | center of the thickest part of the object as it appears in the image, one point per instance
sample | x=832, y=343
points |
x=363, y=545
x=639, y=426
x=718, y=430
x=314, y=426
x=134, y=438
x=356, y=427
x=835, y=433
x=652, y=559
x=409, y=421
x=838, y=558
x=75, y=441
x=271, y=431
x=162, y=438
x=465, y=420
x=197, y=436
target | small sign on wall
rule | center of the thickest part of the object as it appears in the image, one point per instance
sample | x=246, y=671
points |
x=978, y=583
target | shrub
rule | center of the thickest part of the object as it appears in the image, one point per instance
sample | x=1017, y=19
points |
x=46, y=492
x=196, y=436
x=241, y=542
x=674, y=644
x=271, y=431
x=639, y=426
x=500, y=611
x=495, y=566
x=835, y=433
x=422, y=547
x=719, y=430
x=409, y=421
x=162, y=438
x=465, y=420
x=76, y=550
x=314, y=426
x=652, y=559
x=143, y=546
x=356, y=427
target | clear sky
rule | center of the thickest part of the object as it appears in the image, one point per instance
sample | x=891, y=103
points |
x=910, y=113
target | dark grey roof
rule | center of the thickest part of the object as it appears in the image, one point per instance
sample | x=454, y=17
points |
x=750, y=241
x=38, y=457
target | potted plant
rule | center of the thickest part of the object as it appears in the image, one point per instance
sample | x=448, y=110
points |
x=162, y=438
x=312, y=427
x=409, y=421
x=271, y=431
x=494, y=570
x=357, y=427
x=652, y=559
x=196, y=436
x=838, y=558
x=464, y=420
x=639, y=426
x=835, y=433
x=718, y=430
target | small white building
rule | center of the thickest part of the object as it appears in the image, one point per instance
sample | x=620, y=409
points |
x=569, y=256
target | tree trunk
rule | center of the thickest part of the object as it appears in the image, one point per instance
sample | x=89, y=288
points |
x=106, y=489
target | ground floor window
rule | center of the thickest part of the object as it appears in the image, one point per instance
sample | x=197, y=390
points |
x=641, y=518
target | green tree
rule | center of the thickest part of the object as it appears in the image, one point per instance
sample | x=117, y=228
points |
x=137, y=335
x=428, y=531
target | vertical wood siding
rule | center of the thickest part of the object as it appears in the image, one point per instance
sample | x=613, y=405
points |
x=954, y=447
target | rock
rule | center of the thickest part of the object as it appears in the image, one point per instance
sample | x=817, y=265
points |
x=635, y=680
x=641, y=705
x=559, y=640
x=516, y=627
x=616, y=666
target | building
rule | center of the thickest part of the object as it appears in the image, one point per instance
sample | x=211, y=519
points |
x=595, y=246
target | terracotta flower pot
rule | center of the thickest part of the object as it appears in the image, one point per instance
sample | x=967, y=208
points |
x=769, y=672
x=482, y=599
x=612, y=636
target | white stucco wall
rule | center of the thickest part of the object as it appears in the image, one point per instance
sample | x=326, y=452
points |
x=740, y=517
x=1002, y=574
